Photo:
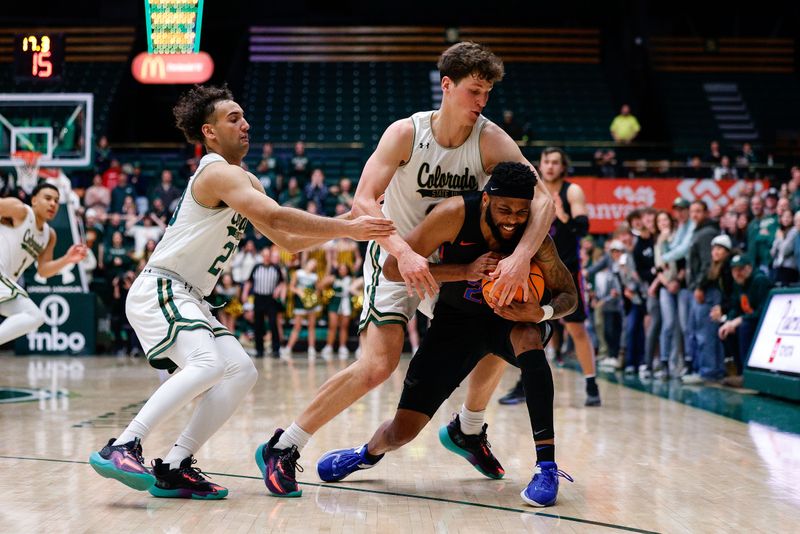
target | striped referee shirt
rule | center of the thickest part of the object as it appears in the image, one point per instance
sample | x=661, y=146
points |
x=265, y=278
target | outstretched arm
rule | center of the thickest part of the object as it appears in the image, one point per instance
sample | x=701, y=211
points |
x=47, y=266
x=288, y=227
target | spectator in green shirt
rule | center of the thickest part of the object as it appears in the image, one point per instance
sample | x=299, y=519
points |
x=760, y=234
x=750, y=290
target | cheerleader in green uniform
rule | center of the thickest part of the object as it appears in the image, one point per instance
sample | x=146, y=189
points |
x=304, y=291
x=339, y=311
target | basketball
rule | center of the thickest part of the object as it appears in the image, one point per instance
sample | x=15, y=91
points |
x=535, y=283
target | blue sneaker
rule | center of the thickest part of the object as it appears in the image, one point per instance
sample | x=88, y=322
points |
x=334, y=466
x=543, y=487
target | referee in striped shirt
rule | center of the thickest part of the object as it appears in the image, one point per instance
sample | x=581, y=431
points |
x=266, y=282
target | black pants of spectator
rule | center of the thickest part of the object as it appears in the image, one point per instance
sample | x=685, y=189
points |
x=612, y=331
x=785, y=276
x=745, y=334
x=266, y=306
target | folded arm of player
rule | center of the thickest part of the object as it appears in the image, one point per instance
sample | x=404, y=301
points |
x=393, y=151
x=46, y=266
x=440, y=226
x=512, y=271
x=289, y=228
x=557, y=279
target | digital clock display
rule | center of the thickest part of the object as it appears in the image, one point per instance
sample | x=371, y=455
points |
x=38, y=56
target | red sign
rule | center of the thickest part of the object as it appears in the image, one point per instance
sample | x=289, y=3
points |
x=172, y=68
x=609, y=200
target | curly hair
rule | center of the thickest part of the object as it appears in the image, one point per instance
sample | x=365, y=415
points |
x=466, y=58
x=513, y=175
x=195, y=107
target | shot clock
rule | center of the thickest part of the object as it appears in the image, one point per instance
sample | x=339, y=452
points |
x=38, y=57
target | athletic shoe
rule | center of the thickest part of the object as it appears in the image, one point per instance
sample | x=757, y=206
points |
x=124, y=463
x=327, y=353
x=344, y=354
x=334, y=466
x=593, y=400
x=609, y=363
x=629, y=370
x=543, y=487
x=184, y=482
x=474, y=447
x=644, y=372
x=692, y=378
x=278, y=467
x=312, y=354
x=286, y=354
x=515, y=395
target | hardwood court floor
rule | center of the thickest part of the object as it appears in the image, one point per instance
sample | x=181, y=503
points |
x=640, y=463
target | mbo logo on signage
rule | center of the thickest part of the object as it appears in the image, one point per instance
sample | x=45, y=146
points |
x=56, y=313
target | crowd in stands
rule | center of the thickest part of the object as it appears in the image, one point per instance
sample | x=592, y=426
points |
x=672, y=293
x=679, y=293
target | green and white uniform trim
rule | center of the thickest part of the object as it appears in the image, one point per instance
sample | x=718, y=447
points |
x=9, y=290
x=385, y=302
x=159, y=306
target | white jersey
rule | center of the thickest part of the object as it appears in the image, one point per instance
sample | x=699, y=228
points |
x=433, y=173
x=199, y=241
x=21, y=245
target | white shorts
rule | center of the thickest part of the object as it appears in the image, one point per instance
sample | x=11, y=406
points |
x=160, y=305
x=387, y=302
x=9, y=289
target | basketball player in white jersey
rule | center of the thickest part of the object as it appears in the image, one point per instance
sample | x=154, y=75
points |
x=419, y=161
x=26, y=237
x=165, y=305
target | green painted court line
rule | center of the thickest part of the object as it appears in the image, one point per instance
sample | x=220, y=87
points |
x=394, y=494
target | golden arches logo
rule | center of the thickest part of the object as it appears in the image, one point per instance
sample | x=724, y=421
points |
x=152, y=67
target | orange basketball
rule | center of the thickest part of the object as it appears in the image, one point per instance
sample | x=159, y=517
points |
x=535, y=283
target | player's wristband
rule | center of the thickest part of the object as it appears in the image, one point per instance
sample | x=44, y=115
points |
x=547, y=313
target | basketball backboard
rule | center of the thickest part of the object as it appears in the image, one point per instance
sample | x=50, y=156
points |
x=59, y=125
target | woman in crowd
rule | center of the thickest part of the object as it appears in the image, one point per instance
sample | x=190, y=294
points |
x=339, y=311
x=784, y=263
x=303, y=288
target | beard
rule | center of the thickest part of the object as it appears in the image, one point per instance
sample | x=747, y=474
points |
x=507, y=246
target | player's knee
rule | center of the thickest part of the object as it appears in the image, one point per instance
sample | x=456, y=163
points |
x=377, y=373
x=525, y=337
x=37, y=317
x=247, y=374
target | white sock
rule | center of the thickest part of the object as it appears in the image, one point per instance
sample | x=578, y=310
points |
x=294, y=435
x=135, y=429
x=176, y=455
x=471, y=422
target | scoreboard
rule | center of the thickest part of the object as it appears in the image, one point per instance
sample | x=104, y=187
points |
x=38, y=57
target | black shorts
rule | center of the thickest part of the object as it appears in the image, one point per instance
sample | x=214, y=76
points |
x=579, y=315
x=452, y=347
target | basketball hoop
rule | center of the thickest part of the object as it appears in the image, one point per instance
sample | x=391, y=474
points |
x=26, y=162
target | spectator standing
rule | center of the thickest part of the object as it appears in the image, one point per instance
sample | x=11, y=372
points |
x=102, y=155
x=300, y=165
x=340, y=310
x=514, y=130
x=625, y=127
x=111, y=175
x=118, y=194
x=698, y=264
x=714, y=155
x=760, y=234
x=608, y=295
x=724, y=169
x=784, y=263
x=303, y=289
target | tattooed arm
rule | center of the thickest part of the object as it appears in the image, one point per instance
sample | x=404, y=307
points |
x=557, y=279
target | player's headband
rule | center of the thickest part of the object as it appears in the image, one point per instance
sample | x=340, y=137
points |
x=495, y=188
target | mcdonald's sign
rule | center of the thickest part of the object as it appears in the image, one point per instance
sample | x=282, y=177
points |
x=172, y=68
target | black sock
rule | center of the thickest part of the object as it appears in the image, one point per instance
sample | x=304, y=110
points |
x=545, y=453
x=537, y=379
x=591, y=386
x=371, y=458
